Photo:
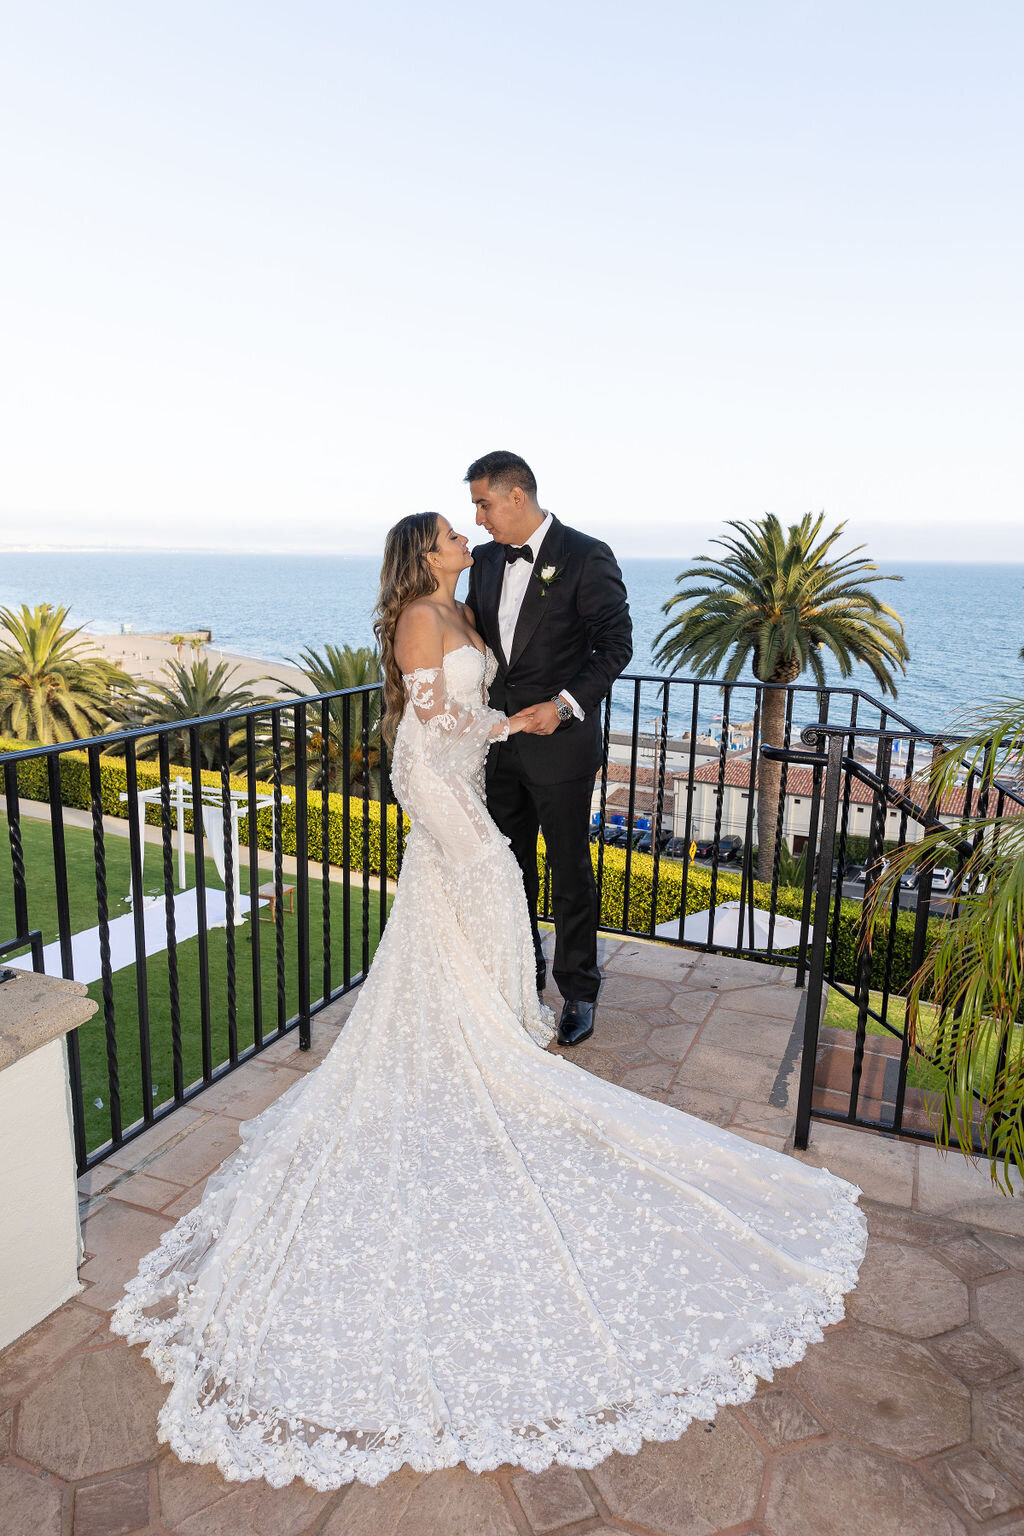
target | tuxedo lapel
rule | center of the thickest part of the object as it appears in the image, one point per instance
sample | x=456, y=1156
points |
x=532, y=611
x=492, y=570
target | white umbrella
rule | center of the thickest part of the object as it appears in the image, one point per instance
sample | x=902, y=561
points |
x=731, y=928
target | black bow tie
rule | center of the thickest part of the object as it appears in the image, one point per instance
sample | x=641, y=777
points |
x=514, y=552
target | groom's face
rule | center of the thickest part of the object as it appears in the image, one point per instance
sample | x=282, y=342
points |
x=502, y=513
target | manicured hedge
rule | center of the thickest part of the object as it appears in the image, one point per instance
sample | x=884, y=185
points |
x=75, y=792
x=74, y=784
x=789, y=903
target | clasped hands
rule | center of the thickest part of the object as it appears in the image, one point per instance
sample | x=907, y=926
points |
x=539, y=720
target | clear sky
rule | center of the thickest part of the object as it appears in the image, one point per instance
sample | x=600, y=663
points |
x=272, y=274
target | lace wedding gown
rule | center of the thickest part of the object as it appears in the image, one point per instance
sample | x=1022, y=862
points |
x=448, y=1245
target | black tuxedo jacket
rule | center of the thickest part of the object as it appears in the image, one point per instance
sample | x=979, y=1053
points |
x=573, y=632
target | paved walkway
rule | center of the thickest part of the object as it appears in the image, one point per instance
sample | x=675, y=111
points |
x=908, y=1418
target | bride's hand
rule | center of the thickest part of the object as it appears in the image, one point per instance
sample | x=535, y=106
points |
x=517, y=722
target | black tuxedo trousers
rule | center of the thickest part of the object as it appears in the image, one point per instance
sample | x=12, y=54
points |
x=573, y=632
x=562, y=813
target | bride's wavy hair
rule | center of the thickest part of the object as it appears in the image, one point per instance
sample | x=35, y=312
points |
x=404, y=576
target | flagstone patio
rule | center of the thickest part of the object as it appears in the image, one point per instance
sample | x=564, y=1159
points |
x=908, y=1418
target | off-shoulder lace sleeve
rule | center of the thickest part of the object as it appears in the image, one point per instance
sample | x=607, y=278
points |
x=443, y=714
x=438, y=776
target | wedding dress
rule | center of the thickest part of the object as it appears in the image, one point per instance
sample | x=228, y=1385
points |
x=447, y=1244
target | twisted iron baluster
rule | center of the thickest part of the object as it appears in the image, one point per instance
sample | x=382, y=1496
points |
x=229, y=893
x=178, y=1074
x=103, y=916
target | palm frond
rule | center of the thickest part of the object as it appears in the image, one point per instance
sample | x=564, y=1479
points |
x=974, y=971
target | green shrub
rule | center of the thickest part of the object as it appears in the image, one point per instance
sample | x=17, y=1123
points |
x=789, y=903
x=74, y=785
x=32, y=784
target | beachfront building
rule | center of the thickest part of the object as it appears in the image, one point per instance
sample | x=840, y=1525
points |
x=796, y=820
x=734, y=776
x=645, y=796
x=799, y=798
x=703, y=806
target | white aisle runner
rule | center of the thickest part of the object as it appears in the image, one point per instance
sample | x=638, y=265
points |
x=85, y=946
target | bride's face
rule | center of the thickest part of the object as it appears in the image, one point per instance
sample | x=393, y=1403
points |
x=450, y=554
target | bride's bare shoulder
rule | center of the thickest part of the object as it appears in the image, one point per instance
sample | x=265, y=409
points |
x=419, y=636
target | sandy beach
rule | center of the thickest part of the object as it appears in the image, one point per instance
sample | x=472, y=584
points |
x=146, y=656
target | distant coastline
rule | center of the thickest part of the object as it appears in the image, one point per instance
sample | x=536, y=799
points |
x=146, y=658
x=964, y=620
x=982, y=543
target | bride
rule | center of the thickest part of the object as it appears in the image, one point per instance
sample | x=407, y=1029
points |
x=446, y=1244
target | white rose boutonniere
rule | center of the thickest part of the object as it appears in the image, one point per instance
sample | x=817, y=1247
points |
x=547, y=576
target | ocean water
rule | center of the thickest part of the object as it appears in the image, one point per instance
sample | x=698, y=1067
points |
x=964, y=623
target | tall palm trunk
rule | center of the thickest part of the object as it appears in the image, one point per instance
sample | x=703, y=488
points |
x=769, y=774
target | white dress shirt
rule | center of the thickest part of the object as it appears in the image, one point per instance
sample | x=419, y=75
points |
x=513, y=589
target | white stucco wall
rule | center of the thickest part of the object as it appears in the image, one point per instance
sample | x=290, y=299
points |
x=40, y=1239
x=796, y=818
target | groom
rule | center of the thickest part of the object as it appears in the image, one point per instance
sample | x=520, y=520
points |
x=551, y=604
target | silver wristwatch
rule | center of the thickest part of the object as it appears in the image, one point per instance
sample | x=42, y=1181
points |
x=564, y=709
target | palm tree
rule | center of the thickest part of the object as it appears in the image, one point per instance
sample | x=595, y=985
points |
x=333, y=670
x=52, y=688
x=974, y=972
x=775, y=601
x=189, y=693
x=178, y=641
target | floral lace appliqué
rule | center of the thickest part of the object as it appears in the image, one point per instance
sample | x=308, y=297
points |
x=448, y=1245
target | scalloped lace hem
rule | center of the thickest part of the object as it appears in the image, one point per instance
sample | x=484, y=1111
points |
x=542, y=1029
x=279, y=1447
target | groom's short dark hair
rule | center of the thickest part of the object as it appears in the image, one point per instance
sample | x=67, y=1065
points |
x=503, y=471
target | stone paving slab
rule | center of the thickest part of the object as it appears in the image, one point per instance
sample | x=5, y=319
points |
x=950, y=1185
x=885, y=1169
x=906, y=1420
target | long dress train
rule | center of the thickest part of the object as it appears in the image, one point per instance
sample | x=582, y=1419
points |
x=447, y=1244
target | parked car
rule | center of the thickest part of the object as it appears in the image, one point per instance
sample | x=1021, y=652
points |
x=942, y=878
x=862, y=876
x=645, y=842
x=909, y=880
x=621, y=837
x=613, y=833
x=675, y=848
x=730, y=849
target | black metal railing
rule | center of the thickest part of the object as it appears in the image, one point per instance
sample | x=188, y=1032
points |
x=191, y=982
x=181, y=1003
x=866, y=957
x=700, y=791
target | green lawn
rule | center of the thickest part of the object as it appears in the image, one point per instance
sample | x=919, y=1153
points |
x=92, y=1037
x=841, y=1013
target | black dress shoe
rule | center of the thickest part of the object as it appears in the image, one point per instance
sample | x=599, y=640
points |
x=577, y=1022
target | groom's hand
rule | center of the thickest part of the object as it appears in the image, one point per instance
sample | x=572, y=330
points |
x=539, y=719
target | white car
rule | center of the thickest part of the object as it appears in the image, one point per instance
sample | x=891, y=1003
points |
x=942, y=878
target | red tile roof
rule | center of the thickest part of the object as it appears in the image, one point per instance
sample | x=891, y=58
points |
x=618, y=773
x=644, y=803
x=800, y=783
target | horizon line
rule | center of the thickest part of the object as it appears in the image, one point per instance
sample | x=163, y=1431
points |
x=363, y=554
